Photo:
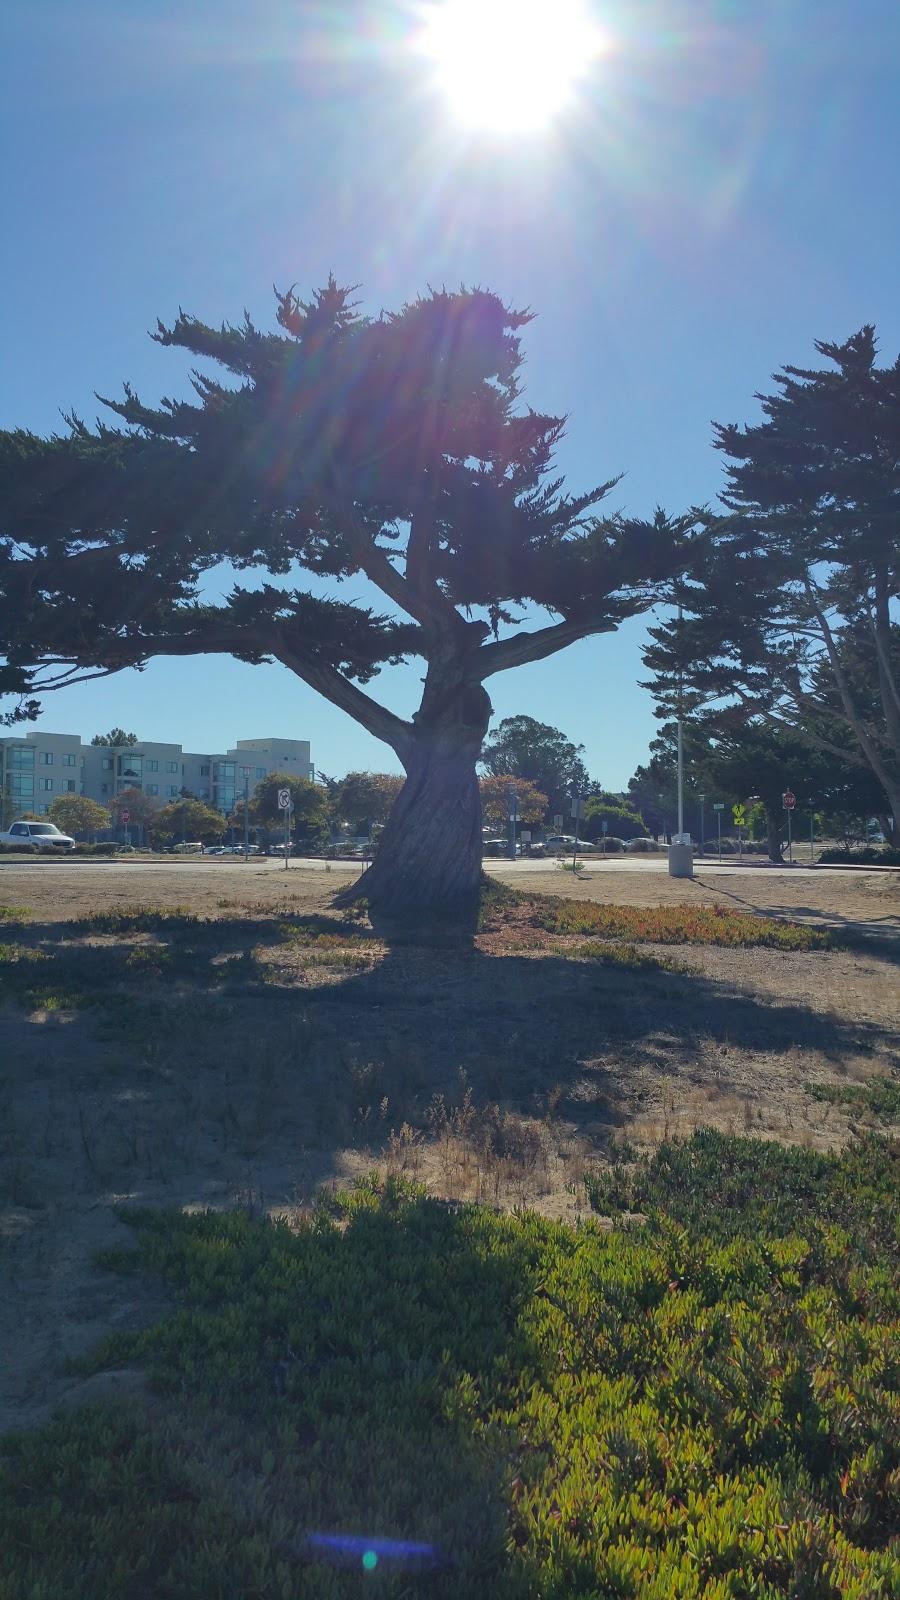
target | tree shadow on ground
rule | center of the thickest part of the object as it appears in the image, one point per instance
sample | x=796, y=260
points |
x=195, y=1052
x=338, y=1349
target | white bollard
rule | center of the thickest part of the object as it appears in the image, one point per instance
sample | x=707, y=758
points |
x=681, y=856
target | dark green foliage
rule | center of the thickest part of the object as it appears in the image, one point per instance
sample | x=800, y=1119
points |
x=703, y=1407
x=521, y=747
x=880, y=1096
x=868, y=855
x=622, y=822
x=789, y=607
x=727, y=1186
x=117, y=738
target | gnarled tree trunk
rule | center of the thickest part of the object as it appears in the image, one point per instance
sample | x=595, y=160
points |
x=427, y=873
x=774, y=842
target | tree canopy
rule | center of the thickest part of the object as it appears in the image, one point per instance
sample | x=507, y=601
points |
x=787, y=604
x=309, y=804
x=531, y=802
x=522, y=747
x=186, y=819
x=77, y=813
x=393, y=448
x=364, y=799
x=116, y=738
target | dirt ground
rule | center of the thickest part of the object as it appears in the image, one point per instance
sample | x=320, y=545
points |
x=251, y=1060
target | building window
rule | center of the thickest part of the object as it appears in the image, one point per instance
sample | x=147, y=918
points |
x=70, y=761
x=152, y=766
x=260, y=772
x=70, y=786
x=152, y=788
x=42, y=810
x=107, y=763
x=172, y=766
x=204, y=769
x=104, y=788
x=45, y=783
x=21, y=755
x=46, y=758
x=173, y=790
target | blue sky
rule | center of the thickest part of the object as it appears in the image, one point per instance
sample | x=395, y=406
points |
x=723, y=191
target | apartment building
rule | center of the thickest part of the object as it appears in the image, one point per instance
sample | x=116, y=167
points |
x=37, y=767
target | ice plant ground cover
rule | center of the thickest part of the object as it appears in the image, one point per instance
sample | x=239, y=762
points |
x=701, y=1402
x=677, y=925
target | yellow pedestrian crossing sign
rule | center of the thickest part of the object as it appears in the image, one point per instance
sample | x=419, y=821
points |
x=739, y=815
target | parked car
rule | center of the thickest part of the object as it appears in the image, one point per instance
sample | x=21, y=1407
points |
x=213, y=849
x=498, y=847
x=35, y=836
x=567, y=841
x=188, y=848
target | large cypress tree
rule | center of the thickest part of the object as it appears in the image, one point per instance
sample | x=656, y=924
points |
x=788, y=616
x=393, y=449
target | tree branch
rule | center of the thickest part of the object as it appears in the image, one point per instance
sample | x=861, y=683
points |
x=425, y=604
x=330, y=683
x=880, y=624
x=867, y=743
x=524, y=647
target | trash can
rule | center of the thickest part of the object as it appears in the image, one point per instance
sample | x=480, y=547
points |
x=681, y=856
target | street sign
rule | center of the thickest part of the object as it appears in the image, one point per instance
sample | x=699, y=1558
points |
x=525, y=836
x=125, y=816
x=577, y=810
x=604, y=826
x=558, y=820
x=718, y=805
x=284, y=799
x=739, y=815
x=788, y=800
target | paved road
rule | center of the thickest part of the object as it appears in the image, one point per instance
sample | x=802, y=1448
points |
x=647, y=865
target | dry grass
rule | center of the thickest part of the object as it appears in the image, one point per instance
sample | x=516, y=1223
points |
x=202, y=1047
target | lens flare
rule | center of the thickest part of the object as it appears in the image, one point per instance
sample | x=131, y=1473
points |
x=508, y=66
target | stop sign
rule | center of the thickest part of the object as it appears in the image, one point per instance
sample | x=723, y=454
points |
x=788, y=800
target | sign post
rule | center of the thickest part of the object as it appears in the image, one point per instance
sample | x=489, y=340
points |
x=512, y=813
x=702, y=799
x=577, y=813
x=604, y=829
x=718, y=808
x=246, y=814
x=284, y=804
x=789, y=800
x=739, y=817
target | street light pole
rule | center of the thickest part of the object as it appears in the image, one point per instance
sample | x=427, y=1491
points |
x=246, y=814
x=680, y=737
x=702, y=822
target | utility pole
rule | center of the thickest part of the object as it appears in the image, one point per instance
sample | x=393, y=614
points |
x=246, y=814
x=702, y=822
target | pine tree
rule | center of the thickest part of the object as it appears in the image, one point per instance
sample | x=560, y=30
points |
x=788, y=613
x=391, y=449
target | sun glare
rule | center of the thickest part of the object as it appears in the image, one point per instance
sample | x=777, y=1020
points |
x=508, y=66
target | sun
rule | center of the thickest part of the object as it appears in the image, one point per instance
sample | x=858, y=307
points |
x=508, y=66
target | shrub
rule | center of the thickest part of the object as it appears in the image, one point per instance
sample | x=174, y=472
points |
x=612, y=844
x=699, y=1407
x=866, y=855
